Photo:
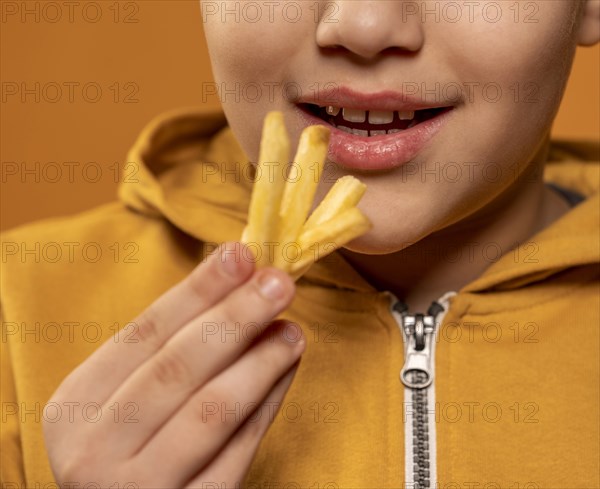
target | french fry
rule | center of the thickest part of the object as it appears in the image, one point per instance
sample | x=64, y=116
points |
x=278, y=216
x=265, y=202
x=300, y=188
x=330, y=235
x=345, y=193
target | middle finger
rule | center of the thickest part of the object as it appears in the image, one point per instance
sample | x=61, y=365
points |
x=191, y=358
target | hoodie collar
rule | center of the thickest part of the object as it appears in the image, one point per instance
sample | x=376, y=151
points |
x=192, y=172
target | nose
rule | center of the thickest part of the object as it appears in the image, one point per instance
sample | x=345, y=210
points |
x=367, y=28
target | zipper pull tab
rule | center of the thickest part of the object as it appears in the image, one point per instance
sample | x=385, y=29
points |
x=418, y=331
x=418, y=334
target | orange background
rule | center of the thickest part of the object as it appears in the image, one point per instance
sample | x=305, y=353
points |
x=155, y=64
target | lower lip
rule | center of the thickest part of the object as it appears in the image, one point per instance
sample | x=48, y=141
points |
x=384, y=152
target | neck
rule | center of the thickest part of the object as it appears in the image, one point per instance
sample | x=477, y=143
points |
x=451, y=258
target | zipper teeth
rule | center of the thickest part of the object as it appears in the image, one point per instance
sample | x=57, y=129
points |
x=420, y=431
x=420, y=439
x=420, y=435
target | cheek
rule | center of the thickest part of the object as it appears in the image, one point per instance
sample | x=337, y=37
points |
x=253, y=65
x=518, y=65
x=257, y=45
x=517, y=72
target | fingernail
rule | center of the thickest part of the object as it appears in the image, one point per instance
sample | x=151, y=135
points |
x=270, y=287
x=292, y=334
x=229, y=261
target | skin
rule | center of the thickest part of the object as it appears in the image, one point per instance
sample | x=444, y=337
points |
x=366, y=50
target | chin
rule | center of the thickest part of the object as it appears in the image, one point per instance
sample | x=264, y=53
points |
x=379, y=243
x=393, y=229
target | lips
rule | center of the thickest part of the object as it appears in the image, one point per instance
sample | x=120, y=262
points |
x=378, y=131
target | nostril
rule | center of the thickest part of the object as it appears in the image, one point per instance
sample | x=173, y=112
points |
x=364, y=31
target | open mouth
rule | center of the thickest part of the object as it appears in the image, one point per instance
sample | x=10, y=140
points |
x=368, y=123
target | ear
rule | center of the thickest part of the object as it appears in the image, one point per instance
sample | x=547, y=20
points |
x=589, y=26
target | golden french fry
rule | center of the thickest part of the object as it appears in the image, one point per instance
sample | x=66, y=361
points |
x=330, y=235
x=277, y=217
x=265, y=202
x=345, y=193
x=301, y=185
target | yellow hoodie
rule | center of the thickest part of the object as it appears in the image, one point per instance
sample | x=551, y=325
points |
x=514, y=401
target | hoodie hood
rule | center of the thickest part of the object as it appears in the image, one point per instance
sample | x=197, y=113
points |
x=192, y=172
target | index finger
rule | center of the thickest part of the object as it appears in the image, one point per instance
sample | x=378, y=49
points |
x=208, y=283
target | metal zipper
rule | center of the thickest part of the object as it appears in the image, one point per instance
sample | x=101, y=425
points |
x=419, y=333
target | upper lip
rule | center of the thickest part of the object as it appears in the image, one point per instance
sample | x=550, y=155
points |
x=385, y=100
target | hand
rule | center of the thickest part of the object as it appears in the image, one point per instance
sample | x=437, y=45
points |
x=190, y=381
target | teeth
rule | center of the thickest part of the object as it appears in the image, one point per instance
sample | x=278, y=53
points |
x=331, y=110
x=377, y=117
x=360, y=132
x=354, y=115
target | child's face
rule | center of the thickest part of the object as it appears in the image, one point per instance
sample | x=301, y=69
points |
x=500, y=66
